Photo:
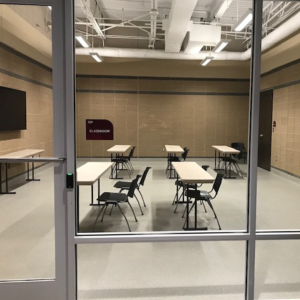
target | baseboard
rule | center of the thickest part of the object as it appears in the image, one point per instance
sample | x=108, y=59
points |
x=286, y=174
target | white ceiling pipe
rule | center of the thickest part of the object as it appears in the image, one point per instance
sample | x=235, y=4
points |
x=276, y=36
x=158, y=54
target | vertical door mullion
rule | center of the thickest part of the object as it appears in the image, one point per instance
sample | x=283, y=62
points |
x=60, y=144
x=253, y=142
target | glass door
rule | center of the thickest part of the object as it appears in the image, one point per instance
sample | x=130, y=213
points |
x=36, y=149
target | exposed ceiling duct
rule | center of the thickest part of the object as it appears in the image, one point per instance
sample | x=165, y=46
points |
x=285, y=30
x=177, y=25
x=199, y=36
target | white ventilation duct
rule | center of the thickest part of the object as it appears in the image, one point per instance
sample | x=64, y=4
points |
x=276, y=36
x=178, y=23
x=199, y=36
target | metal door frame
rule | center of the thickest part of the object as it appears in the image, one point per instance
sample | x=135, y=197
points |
x=251, y=235
x=64, y=145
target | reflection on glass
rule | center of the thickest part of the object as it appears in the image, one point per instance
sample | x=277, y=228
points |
x=26, y=130
x=151, y=105
x=279, y=122
x=188, y=270
x=277, y=272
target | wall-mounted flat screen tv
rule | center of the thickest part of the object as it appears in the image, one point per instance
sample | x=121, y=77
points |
x=12, y=109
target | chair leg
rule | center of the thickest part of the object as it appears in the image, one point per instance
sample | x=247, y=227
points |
x=111, y=209
x=138, y=203
x=141, y=196
x=209, y=203
x=104, y=213
x=204, y=206
x=98, y=217
x=132, y=211
x=124, y=216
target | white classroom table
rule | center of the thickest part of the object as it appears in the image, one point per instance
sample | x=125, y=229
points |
x=89, y=173
x=172, y=150
x=192, y=173
x=19, y=154
x=226, y=151
x=116, y=151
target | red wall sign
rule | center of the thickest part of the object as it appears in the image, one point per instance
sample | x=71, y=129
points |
x=99, y=130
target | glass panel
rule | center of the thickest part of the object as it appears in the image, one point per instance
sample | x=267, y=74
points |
x=279, y=135
x=207, y=270
x=26, y=129
x=151, y=103
x=277, y=270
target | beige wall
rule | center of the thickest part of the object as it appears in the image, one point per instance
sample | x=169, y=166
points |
x=150, y=119
x=39, y=133
x=286, y=113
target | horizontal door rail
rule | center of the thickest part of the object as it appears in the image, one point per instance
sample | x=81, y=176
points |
x=31, y=159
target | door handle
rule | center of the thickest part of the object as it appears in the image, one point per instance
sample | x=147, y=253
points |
x=261, y=135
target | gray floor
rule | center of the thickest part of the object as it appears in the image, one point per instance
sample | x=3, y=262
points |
x=157, y=270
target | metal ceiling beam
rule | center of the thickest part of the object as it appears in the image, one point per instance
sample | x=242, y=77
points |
x=87, y=11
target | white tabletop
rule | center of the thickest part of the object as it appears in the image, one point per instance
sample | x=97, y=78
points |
x=191, y=172
x=91, y=172
x=173, y=149
x=119, y=148
x=23, y=153
x=226, y=149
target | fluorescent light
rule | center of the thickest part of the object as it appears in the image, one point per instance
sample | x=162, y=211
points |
x=243, y=21
x=50, y=7
x=96, y=56
x=222, y=8
x=221, y=45
x=84, y=43
x=206, y=60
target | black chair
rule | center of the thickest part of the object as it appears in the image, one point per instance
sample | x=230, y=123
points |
x=116, y=199
x=125, y=162
x=231, y=162
x=206, y=196
x=240, y=146
x=123, y=185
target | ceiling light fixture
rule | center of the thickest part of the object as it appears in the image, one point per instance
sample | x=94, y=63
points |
x=243, y=21
x=222, y=8
x=221, y=45
x=84, y=43
x=96, y=56
x=206, y=60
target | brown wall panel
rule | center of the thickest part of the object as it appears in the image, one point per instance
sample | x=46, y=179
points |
x=152, y=112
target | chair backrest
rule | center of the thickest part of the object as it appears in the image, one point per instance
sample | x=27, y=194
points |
x=144, y=175
x=185, y=153
x=238, y=146
x=132, y=187
x=131, y=152
x=205, y=167
x=217, y=183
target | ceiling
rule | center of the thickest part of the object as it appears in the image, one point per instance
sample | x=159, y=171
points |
x=127, y=23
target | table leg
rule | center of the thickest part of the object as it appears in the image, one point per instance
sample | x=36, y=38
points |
x=6, y=181
x=32, y=172
x=92, y=194
x=215, y=158
x=92, y=204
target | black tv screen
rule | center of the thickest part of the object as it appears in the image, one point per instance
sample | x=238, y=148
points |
x=12, y=109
